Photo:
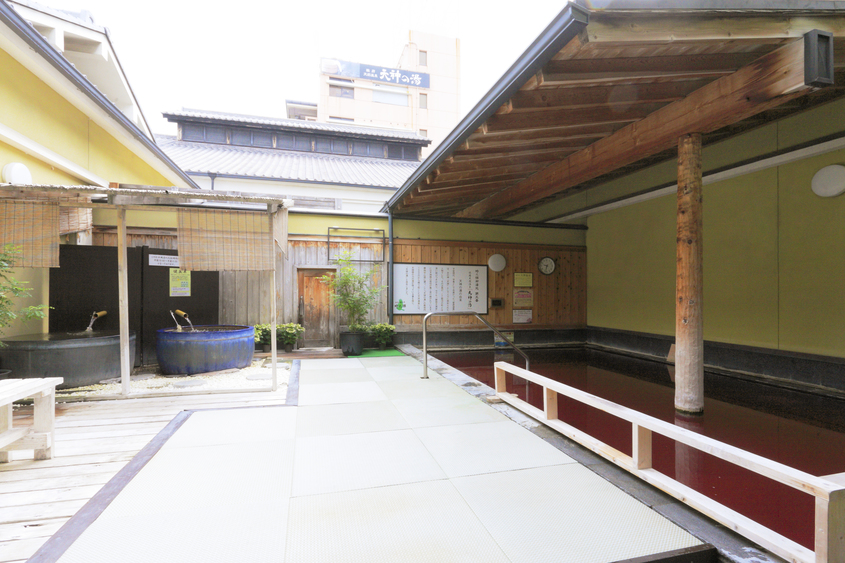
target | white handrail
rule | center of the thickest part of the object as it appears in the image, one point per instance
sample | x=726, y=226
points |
x=830, y=496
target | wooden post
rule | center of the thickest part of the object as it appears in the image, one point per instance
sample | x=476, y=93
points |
x=689, y=325
x=830, y=528
x=550, y=404
x=500, y=381
x=641, y=447
x=273, y=345
x=123, y=301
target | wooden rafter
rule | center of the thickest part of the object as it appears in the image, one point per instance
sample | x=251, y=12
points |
x=769, y=81
x=569, y=116
x=589, y=96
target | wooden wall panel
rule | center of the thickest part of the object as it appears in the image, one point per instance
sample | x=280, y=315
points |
x=560, y=299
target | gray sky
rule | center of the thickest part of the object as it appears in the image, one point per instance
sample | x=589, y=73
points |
x=249, y=56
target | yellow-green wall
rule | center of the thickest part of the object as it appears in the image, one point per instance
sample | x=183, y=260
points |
x=309, y=224
x=774, y=263
x=36, y=111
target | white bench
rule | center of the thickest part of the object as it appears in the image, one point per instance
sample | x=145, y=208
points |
x=39, y=436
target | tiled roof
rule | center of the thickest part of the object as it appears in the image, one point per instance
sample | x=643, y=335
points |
x=352, y=130
x=254, y=162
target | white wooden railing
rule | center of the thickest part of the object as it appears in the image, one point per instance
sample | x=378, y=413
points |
x=830, y=496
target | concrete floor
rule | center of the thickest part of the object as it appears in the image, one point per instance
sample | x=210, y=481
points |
x=374, y=464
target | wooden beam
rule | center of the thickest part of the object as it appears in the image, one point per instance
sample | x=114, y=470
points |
x=524, y=170
x=689, y=286
x=534, y=82
x=550, y=133
x=768, y=82
x=614, y=69
x=588, y=96
x=488, y=162
x=123, y=302
x=570, y=116
x=516, y=149
x=507, y=107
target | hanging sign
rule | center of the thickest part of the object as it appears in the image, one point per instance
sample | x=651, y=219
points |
x=523, y=279
x=424, y=288
x=180, y=283
x=164, y=260
x=523, y=298
x=522, y=316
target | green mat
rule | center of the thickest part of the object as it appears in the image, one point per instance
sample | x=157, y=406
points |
x=376, y=353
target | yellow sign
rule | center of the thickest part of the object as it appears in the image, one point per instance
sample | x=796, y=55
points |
x=180, y=283
x=523, y=279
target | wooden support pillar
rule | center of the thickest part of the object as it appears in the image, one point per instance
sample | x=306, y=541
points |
x=689, y=325
x=123, y=301
x=273, y=345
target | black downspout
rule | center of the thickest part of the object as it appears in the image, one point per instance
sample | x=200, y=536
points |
x=390, y=267
x=213, y=176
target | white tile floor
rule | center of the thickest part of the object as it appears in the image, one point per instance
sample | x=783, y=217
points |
x=374, y=465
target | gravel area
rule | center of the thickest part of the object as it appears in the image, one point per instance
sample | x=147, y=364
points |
x=256, y=376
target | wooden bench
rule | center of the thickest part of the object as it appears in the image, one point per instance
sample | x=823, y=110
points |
x=39, y=436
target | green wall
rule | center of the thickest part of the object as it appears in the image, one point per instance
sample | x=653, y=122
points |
x=774, y=260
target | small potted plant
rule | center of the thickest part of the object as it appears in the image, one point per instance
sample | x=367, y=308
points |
x=382, y=333
x=262, y=336
x=11, y=290
x=352, y=293
x=288, y=334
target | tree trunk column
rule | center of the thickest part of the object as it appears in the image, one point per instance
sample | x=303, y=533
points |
x=689, y=326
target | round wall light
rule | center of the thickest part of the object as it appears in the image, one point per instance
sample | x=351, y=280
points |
x=497, y=262
x=829, y=181
x=17, y=174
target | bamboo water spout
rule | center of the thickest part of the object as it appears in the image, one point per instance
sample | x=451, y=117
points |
x=94, y=317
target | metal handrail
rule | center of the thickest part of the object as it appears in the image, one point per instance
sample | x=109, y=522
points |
x=463, y=313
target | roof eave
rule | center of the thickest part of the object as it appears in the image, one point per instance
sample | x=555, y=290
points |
x=179, y=118
x=33, y=39
x=566, y=26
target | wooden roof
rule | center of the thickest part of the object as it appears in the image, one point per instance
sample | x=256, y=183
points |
x=613, y=95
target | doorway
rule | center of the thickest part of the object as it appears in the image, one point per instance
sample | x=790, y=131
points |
x=316, y=310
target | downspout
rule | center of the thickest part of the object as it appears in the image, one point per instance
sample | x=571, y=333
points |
x=390, y=266
x=213, y=176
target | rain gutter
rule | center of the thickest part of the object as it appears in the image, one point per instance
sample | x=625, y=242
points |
x=566, y=26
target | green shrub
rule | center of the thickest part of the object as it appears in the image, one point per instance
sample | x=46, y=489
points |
x=262, y=334
x=382, y=332
x=12, y=290
x=288, y=333
x=351, y=292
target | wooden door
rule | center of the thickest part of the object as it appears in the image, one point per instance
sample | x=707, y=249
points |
x=317, y=312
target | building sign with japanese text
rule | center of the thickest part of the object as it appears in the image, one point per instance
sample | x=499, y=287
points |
x=388, y=75
x=424, y=288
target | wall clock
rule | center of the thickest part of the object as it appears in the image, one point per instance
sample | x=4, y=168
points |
x=546, y=265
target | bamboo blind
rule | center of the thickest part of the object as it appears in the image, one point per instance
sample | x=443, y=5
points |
x=71, y=220
x=34, y=227
x=220, y=240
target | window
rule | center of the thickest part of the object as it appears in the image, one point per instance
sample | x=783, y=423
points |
x=341, y=119
x=388, y=95
x=284, y=141
x=424, y=132
x=423, y=58
x=262, y=139
x=193, y=132
x=394, y=151
x=341, y=92
x=340, y=146
x=423, y=101
x=323, y=144
x=302, y=143
x=215, y=134
x=241, y=137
